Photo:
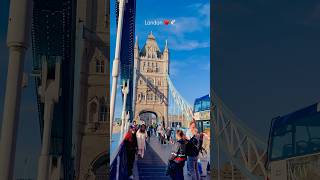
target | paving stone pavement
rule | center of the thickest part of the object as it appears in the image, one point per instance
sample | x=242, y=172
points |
x=151, y=166
x=154, y=164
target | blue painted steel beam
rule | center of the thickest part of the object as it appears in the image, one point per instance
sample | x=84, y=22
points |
x=127, y=49
x=53, y=28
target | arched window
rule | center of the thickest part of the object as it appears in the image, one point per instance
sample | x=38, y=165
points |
x=92, y=111
x=102, y=110
x=99, y=65
x=99, y=167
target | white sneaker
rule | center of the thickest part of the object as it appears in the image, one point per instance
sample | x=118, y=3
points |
x=131, y=177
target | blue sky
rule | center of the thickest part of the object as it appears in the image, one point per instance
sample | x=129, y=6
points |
x=188, y=41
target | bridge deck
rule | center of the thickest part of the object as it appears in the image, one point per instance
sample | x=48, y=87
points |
x=154, y=163
x=151, y=166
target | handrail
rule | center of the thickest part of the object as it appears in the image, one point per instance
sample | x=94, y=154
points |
x=118, y=166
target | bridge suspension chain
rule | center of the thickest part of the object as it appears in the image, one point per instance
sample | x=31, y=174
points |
x=184, y=106
x=239, y=143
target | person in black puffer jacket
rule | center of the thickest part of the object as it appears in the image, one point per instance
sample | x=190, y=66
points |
x=178, y=157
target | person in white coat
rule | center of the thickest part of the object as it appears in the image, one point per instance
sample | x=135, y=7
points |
x=141, y=138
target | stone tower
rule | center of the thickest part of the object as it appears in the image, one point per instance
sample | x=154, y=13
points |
x=92, y=90
x=151, y=86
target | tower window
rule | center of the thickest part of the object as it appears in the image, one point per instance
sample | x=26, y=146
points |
x=102, y=110
x=92, y=111
x=99, y=65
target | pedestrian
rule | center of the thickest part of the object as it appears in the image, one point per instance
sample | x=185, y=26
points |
x=163, y=135
x=141, y=138
x=159, y=132
x=156, y=130
x=168, y=134
x=149, y=132
x=134, y=124
x=178, y=157
x=130, y=142
x=188, y=137
x=193, y=148
x=142, y=122
x=154, y=127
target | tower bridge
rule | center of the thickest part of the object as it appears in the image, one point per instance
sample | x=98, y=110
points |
x=74, y=128
x=151, y=86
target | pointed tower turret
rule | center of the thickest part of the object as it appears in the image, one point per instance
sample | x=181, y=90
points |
x=166, y=51
x=136, y=48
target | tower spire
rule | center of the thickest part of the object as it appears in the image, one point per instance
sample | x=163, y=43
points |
x=136, y=45
x=166, y=46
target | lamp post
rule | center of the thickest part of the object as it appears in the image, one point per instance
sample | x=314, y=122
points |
x=19, y=28
x=116, y=62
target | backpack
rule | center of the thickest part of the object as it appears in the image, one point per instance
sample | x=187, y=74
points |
x=193, y=147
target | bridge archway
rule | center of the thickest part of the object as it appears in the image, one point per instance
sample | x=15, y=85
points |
x=149, y=116
x=99, y=166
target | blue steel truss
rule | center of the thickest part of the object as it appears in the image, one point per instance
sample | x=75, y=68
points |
x=53, y=28
x=127, y=49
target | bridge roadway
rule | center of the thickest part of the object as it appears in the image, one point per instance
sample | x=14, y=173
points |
x=154, y=163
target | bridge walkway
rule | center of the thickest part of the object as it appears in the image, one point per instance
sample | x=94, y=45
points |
x=154, y=163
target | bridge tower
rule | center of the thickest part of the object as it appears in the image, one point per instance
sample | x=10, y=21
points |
x=91, y=101
x=151, y=85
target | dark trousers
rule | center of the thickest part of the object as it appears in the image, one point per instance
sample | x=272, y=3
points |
x=178, y=172
x=130, y=157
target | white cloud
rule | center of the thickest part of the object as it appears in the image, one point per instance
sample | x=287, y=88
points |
x=180, y=32
x=204, y=10
x=185, y=25
x=183, y=44
x=200, y=63
x=183, y=35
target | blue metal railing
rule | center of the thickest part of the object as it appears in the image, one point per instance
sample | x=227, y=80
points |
x=119, y=167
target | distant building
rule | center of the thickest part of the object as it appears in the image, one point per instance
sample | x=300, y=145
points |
x=174, y=120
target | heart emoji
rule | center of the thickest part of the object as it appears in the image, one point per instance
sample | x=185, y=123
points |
x=166, y=22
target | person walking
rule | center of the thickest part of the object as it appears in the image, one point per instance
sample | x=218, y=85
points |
x=178, y=157
x=168, y=134
x=193, y=148
x=149, y=132
x=163, y=135
x=141, y=138
x=134, y=124
x=154, y=127
x=159, y=132
x=130, y=142
x=188, y=137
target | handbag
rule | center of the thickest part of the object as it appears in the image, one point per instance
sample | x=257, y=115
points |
x=171, y=168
